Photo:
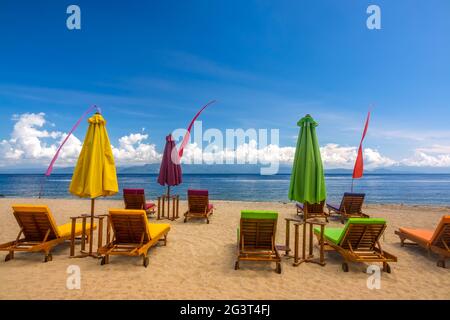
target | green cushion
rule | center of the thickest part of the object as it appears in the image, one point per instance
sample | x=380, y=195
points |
x=366, y=221
x=331, y=234
x=259, y=214
x=336, y=234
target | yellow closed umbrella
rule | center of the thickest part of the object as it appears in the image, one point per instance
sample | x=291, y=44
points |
x=95, y=173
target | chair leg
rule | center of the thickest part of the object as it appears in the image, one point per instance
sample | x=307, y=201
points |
x=441, y=263
x=345, y=266
x=9, y=256
x=165, y=240
x=48, y=256
x=145, y=260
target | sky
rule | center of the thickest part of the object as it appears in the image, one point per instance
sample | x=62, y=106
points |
x=151, y=65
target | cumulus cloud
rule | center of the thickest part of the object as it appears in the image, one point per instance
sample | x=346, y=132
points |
x=32, y=144
x=28, y=139
x=422, y=159
x=246, y=153
x=333, y=155
x=133, y=149
x=336, y=156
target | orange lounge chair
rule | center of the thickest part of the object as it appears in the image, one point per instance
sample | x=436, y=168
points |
x=39, y=230
x=437, y=241
x=312, y=210
x=133, y=235
x=135, y=199
x=198, y=205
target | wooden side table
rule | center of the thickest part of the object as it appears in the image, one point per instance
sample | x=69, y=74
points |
x=85, y=237
x=310, y=257
x=162, y=207
x=287, y=248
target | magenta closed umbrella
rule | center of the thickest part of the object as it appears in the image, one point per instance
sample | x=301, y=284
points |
x=170, y=170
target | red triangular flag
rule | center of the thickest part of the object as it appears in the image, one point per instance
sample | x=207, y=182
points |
x=359, y=163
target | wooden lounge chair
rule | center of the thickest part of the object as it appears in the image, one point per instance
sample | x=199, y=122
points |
x=133, y=235
x=256, y=238
x=198, y=205
x=39, y=231
x=350, y=207
x=135, y=199
x=315, y=210
x=437, y=241
x=358, y=241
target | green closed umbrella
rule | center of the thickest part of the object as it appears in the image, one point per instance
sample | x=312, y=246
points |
x=307, y=178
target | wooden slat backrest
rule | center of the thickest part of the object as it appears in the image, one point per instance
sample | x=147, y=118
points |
x=134, y=199
x=198, y=203
x=258, y=233
x=362, y=236
x=352, y=203
x=315, y=209
x=35, y=222
x=442, y=235
x=129, y=225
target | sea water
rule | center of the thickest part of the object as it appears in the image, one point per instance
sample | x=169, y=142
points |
x=431, y=189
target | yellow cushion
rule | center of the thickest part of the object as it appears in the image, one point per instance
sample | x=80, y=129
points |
x=65, y=230
x=157, y=230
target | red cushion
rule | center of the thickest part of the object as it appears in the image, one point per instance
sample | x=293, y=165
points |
x=149, y=205
x=192, y=192
x=133, y=191
x=210, y=206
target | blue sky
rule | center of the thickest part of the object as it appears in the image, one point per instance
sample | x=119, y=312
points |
x=153, y=64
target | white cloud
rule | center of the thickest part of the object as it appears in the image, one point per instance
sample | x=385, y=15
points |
x=336, y=156
x=333, y=155
x=133, y=150
x=27, y=140
x=422, y=159
x=246, y=153
x=31, y=144
x=435, y=149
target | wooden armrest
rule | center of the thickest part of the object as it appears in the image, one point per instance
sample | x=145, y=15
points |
x=294, y=220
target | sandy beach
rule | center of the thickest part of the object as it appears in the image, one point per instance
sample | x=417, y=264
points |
x=198, y=262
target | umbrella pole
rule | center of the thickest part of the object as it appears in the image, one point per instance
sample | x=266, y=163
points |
x=91, y=230
x=168, y=202
x=353, y=180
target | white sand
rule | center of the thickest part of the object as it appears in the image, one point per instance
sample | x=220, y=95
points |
x=198, y=262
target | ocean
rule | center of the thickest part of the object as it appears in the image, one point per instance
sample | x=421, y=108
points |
x=431, y=189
